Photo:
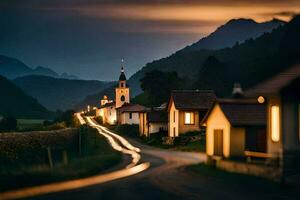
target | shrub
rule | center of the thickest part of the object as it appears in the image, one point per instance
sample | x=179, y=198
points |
x=99, y=119
x=128, y=129
x=8, y=124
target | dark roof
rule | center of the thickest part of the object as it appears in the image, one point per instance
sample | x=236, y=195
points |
x=131, y=108
x=122, y=77
x=243, y=112
x=157, y=116
x=193, y=99
x=275, y=83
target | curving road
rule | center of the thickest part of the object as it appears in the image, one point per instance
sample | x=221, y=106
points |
x=163, y=176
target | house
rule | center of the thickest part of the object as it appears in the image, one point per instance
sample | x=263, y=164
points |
x=234, y=126
x=129, y=113
x=108, y=108
x=186, y=108
x=153, y=121
x=281, y=92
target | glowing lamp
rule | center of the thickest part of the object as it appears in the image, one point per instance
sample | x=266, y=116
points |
x=275, y=124
x=261, y=99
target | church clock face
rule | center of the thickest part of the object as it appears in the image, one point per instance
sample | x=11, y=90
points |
x=122, y=98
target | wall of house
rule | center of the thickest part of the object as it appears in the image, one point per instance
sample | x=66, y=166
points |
x=237, y=141
x=126, y=120
x=217, y=120
x=290, y=124
x=110, y=115
x=155, y=127
x=143, y=128
x=274, y=148
x=183, y=128
x=173, y=122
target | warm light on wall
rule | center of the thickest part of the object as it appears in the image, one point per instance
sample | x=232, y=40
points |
x=275, y=123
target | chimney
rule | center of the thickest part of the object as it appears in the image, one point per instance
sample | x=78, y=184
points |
x=237, y=91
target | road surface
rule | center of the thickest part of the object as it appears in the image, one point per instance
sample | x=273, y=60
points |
x=166, y=178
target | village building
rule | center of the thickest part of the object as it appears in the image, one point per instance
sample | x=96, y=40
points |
x=281, y=92
x=234, y=126
x=129, y=114
x=153, y=120
x=186, y=109
x=108, y=108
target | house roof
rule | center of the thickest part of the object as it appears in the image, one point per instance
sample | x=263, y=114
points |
x=275, y=83
x=193, y=99
x=131, y=108
x=242, y=112
x=157, y=116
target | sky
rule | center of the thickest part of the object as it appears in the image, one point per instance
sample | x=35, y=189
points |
x=89, y=38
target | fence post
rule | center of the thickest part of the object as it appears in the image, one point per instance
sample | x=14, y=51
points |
x=50, y=157
x=79, y=141
x=65, y=157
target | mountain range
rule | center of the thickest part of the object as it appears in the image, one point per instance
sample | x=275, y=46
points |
x=234, y=31
x=14, y=102
x=59, y=94
x=189, y=60
x=12, y=68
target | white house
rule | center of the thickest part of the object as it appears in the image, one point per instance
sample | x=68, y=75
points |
x=129, y=113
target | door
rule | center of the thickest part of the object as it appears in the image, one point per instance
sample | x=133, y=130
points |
x=218, y=142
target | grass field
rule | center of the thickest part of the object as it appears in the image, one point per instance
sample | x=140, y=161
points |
x=155, y=139
x=233, y=178
x=24, y=124
x=27, y=163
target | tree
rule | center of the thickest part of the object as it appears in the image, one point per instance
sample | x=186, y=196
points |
x=8, y=124
x=158, y=86
x=213, y=76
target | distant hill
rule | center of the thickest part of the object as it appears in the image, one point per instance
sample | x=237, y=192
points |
x=14, y=102
x=12, y=68
x=188, y=60
x=247, y=63
x=94, y=99
x=235, y=30
x=60, y=94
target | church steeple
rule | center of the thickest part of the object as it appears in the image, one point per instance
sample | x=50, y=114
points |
x=122, y=77
x=122, y=91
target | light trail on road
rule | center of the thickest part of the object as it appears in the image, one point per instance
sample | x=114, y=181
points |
x=131, y=169
x=129, y=149
x=80, y=118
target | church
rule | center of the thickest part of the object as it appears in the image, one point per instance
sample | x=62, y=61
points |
x=109, y=109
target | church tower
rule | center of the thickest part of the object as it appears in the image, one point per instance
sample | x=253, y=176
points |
x=122, y=91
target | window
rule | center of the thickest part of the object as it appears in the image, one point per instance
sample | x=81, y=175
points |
x=174, y=115
x=130, y=115
x=122, y=84
x=189, y=118
x=122, y=98
x=275, y=123
x=174, y=132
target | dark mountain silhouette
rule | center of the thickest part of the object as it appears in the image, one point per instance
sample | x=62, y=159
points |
x=94, y=99
x=12, y=68
x=15, y=103
x=235, y=30
x=56, y=93
x=247, y=63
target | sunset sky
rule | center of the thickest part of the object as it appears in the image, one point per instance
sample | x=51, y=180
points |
x=89, y=38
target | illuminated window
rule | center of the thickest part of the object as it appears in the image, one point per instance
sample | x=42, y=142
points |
x=275, y=123
x=189, y=118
